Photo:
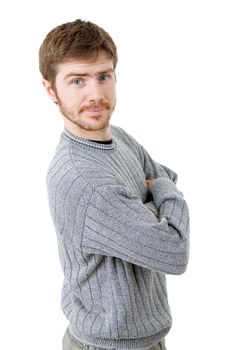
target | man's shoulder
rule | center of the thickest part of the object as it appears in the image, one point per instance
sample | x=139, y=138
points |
x=119, y=131
x=61, y=162
x=73, y=165
x=124, y=136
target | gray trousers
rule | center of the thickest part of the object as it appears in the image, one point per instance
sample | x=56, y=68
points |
x=70, y=343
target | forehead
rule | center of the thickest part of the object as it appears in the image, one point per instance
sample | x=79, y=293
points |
x=92, y=66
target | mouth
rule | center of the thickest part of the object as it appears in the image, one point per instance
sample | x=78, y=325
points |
x=94, y=111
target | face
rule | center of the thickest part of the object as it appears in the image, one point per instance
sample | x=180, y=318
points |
x=85, y=93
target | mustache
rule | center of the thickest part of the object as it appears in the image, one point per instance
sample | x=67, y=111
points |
x=101, y=105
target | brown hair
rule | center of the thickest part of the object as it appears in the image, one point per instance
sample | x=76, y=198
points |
x=77, y=39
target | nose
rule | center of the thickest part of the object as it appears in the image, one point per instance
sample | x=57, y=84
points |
x=95, y=91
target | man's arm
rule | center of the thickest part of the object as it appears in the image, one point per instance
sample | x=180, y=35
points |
x=107, y=219
x=118, y=224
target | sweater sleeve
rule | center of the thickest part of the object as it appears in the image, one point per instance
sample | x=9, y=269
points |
x=118, y=224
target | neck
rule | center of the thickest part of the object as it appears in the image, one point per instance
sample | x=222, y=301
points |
x=104, y=134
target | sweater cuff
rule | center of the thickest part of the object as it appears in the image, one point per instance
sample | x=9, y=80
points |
x=163, y=189
x=151, y=206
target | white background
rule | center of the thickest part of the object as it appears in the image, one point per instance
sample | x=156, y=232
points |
x=175, y=88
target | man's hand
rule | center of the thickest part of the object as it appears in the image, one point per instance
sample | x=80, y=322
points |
x=150, y=182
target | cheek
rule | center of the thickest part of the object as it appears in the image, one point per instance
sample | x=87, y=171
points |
x=71, y=99
x=111, y=94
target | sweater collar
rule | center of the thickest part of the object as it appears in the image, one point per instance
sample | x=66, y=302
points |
x=88, y=143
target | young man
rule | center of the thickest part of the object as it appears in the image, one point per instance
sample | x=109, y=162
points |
x=120, y=220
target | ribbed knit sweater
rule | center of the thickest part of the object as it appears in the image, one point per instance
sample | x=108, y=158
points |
x=117, y=239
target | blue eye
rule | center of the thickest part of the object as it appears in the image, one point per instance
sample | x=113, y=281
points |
x=77, y=81
x=104, y=77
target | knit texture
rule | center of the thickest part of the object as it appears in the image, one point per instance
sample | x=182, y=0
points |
x=116, y=239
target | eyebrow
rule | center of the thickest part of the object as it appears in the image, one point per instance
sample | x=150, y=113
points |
x=76, y=74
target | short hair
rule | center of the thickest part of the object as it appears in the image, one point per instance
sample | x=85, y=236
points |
x=74, y=40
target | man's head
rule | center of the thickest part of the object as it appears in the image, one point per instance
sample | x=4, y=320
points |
x=74, y=40
x=77, y=62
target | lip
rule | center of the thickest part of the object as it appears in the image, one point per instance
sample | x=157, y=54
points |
x=94, y=111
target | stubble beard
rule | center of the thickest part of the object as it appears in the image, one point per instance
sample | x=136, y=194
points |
x=78, y=118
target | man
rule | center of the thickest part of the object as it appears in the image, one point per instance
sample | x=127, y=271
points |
x=120, y=220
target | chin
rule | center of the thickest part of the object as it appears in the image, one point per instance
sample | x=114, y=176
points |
x=94, y=125
x=99, y=122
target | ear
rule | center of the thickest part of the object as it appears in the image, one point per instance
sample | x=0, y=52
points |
x=50, y=91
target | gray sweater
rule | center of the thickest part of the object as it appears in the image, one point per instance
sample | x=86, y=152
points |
x=116, y=239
